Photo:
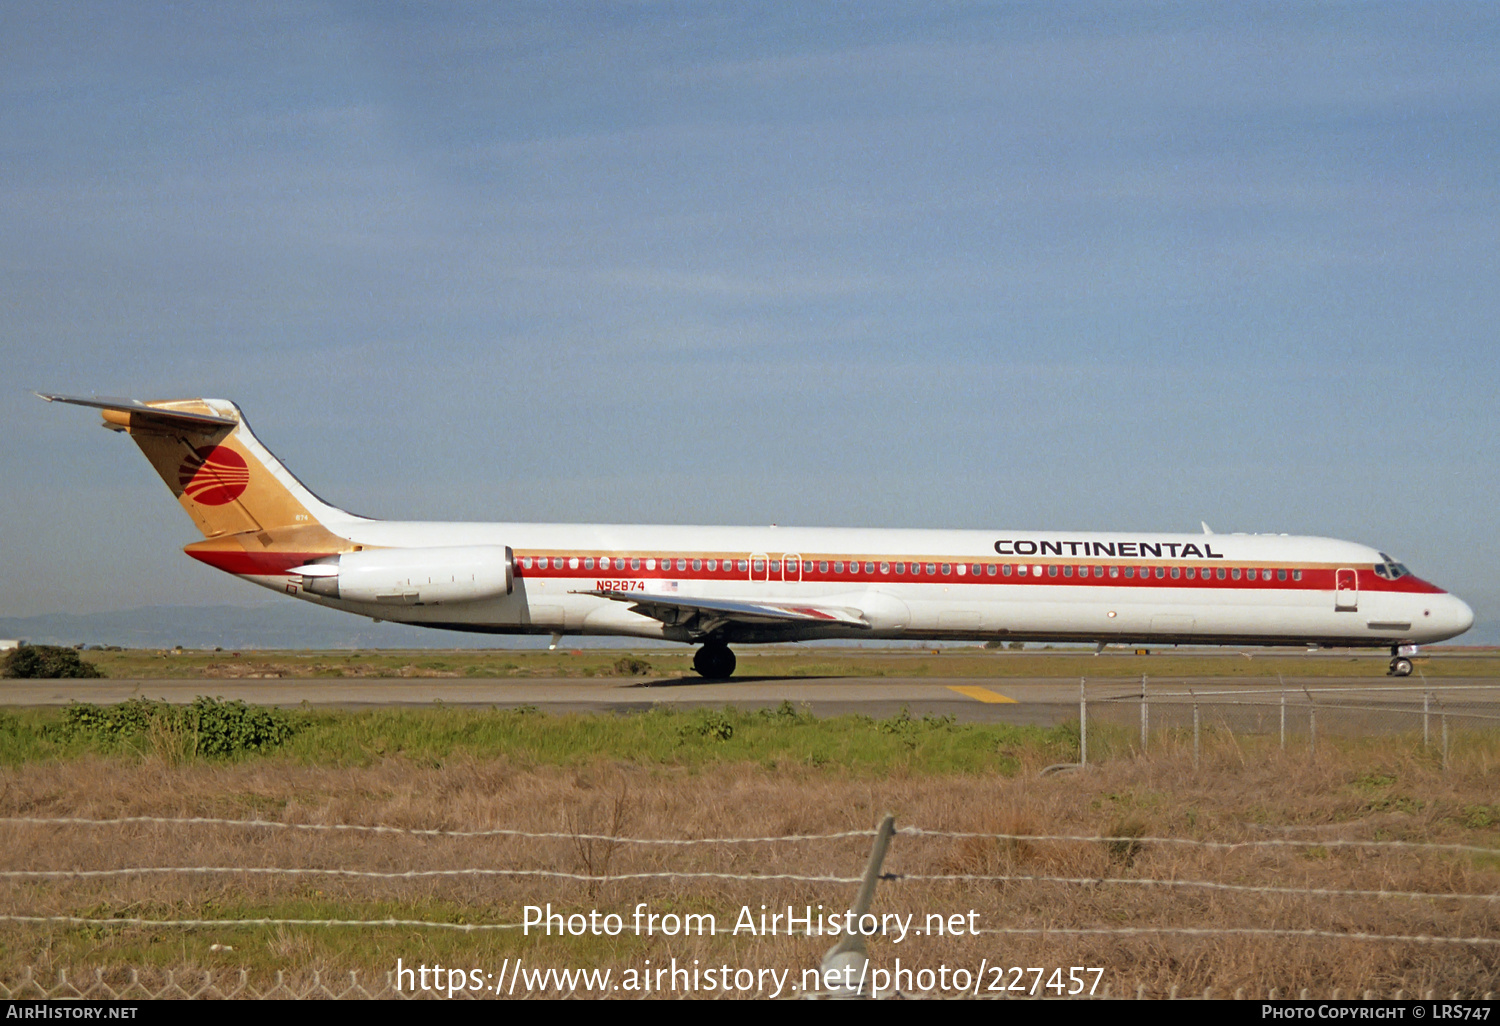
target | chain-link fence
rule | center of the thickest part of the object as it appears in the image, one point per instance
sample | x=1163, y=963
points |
x=208, y=985
x=1155, y=715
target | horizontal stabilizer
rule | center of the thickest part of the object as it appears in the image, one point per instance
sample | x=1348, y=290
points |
x=153, y=414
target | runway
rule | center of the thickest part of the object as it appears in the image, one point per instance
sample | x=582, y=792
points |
x=1035, y=701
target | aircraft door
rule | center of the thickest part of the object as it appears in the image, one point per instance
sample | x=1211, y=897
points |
x=760, y=567
x=1345, y=590
x=791, y=566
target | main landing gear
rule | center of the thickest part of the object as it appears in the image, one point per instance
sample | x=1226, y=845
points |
x=714, y=661
x=1400, y=663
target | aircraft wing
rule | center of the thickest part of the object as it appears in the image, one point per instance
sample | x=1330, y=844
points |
x=707, y=614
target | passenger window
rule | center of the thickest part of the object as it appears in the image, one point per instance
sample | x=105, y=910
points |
x=1250, y=574
x=1296, y=575
x=573, y=563
x=885, y=568
x=822, y=566
x=650, y=564
x=713, y=564
x=838, y=566
x=775, y=566
x=989, y=569
x=742, y=565
x=588, y=563
x=1190, y=573
x=869, y=568
x=1161, y=572
x=963, y=569
x=1005, y=569
x=1052, y=570
x=1130, y=571
x=947, y=569
x=807, y=566
x=1114, y=571
x=900, y=568
x=1220, y=573
x=931, y=568
x=1281, y=575
x=635, y=563
x=525, y=562
x=1067, y=571
x=1176, y=573
x=1023, y=569
x=760, y=566
x=697, y=564
x=1234, y=573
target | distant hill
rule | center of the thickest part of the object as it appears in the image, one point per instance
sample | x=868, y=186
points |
x=295, y=625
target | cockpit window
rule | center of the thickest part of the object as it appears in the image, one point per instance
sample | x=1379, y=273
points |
x=1389, y=569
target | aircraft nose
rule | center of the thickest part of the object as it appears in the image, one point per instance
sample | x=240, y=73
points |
x=1463, y=616
x=1449, y=614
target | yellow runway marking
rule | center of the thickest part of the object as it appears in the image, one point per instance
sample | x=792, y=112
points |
x=981, y=694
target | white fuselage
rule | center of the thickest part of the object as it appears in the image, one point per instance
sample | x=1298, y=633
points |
x=1033, y=585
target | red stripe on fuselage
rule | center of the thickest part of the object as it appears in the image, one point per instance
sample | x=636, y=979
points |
x=255, y=563
x=1320, y=578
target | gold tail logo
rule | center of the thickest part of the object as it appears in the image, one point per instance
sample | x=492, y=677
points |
x=214, y=475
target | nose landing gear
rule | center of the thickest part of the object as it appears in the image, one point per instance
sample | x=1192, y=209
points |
x=1401, y=661
x=714, y=661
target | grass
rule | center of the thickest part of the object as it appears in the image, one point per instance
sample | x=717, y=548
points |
x=434, y=736
x=1244, y=789
x=729, y=773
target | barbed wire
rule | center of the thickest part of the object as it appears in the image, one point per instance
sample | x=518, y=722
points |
x=1192, y=841
x=420, y=831
x=414, y=874
x=1106, y=931
x=1189, y=884
x=1243, y=931
x=911, y=831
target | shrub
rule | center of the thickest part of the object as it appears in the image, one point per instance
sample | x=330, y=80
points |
x=209, y=726
x=34, y=661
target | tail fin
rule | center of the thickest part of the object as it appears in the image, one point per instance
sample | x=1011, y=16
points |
x=238, y=494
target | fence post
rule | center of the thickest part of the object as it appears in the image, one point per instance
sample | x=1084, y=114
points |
x=1083, y=723
x=1145, y=715
x=849, y=957
x=1195, y=731
x=1426, y=708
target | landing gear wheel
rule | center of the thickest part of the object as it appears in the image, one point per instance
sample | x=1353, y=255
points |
x=1400, y=667
x=714, y=661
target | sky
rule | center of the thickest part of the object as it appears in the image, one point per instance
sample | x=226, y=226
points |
x=1069, y=266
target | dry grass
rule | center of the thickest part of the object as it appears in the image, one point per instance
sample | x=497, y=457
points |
x=1356, y=792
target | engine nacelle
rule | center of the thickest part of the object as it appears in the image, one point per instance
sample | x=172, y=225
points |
x=413, y=577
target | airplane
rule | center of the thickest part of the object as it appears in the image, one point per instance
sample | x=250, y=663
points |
x=717, y=586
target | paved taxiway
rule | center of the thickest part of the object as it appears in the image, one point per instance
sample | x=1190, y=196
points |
x=1042, y=701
